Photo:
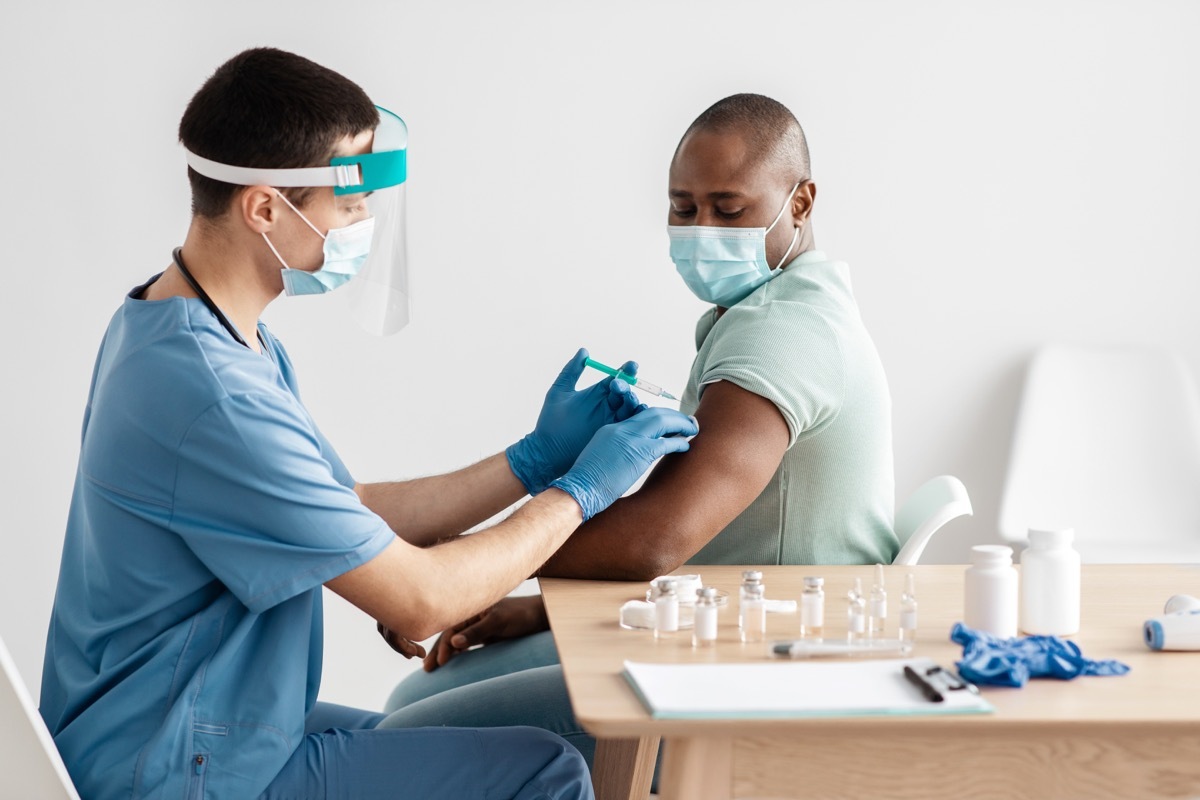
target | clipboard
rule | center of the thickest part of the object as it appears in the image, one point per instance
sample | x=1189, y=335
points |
x=791, y=690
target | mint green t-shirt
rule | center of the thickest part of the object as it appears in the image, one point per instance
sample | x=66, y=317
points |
x=799, y=341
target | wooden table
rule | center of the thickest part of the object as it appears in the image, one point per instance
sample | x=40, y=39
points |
x=1134, y=736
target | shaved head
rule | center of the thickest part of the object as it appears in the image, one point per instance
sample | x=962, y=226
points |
x=772, y=135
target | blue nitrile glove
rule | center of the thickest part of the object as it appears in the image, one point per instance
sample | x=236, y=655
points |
x=619, y=453
x=988, y=659
x=568, y=421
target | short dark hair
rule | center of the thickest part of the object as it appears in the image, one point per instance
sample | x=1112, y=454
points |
x=269, y=108
x=771, y=131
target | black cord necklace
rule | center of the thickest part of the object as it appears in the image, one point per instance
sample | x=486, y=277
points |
x=177, y=256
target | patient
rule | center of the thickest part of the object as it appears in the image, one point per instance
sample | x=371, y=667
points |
x=793, y=464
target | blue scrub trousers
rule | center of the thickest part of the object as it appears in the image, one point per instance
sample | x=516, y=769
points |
x=518, y=682
x=345, y=756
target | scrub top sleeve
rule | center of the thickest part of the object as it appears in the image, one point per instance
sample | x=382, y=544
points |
x=785, y=353
x=259, y=504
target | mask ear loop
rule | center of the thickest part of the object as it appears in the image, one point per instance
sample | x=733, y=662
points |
x=306, y=222
x=778, y=217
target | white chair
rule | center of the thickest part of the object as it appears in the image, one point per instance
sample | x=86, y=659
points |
x=29, y=762
x=1107, y=441
x=938, y=501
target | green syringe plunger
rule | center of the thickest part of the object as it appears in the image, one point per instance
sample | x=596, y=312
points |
x=633, y=380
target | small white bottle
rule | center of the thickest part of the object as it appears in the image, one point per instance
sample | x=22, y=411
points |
x=856, y=613
x=1050, y=584
x=812, y=609
x=754, y=614
x=877, y=620
x=990, y=591
x=750, y=578
x=704, y=632
x=666, y=609
x=908, y=610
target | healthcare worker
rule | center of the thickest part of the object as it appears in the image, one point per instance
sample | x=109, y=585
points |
x=184, y=651
x=794, y=464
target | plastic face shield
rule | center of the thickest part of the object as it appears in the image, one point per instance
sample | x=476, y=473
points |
x=379, y=293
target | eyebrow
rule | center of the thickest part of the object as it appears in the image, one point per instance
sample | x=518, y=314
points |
x=711, y=195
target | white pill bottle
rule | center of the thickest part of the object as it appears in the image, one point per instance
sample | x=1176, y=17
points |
x=1050, y=583
x=990, y=591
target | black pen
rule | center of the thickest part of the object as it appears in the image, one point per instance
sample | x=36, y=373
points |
x=928, y=689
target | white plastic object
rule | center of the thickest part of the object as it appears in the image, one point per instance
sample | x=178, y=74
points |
x=938, y=501
x=1050, y=583
x=990, y=591
x=1178, y=631
x=1181, y=602
x=1130, y=491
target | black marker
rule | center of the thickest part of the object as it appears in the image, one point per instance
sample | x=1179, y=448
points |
x=928, y=689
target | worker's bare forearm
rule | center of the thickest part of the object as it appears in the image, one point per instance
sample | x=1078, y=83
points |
x=425, y=510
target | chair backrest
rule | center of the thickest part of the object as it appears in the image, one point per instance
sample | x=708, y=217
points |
x=29, y=762
x=938, y=501
x=1107, y=442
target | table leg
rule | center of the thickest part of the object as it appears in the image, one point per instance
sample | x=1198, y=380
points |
x=697, y=768
x=624, y=768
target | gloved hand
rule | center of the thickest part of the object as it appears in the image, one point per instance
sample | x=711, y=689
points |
x=619, y=453
x=567, y=423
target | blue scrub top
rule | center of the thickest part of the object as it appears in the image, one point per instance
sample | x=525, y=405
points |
x=184, y=649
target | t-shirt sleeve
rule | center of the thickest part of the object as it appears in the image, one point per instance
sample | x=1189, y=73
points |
x=263, y=507
x=786, y=353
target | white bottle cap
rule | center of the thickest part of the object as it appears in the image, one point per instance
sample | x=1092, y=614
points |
x=1051, y=537
x=991, y=555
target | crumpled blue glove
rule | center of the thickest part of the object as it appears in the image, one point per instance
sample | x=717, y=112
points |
x=619, y=453
x=988, y=659
x=568, y=421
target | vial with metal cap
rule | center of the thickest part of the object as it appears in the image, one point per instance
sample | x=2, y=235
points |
x=878, y=607
x=753, y=623
x=666, y=608
x=812, y=609
x=856, y=613
x=907, y=631
x=750, y=578
x=704, y=632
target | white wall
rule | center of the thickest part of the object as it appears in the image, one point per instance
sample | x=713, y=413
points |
x=997, y=175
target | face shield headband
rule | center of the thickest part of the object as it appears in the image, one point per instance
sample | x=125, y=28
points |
x=378, y=294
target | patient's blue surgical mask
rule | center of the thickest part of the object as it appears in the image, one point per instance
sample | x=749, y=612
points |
x=724, y=265
x=345, y=252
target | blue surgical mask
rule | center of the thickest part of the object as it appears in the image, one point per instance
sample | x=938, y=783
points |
x=345, y=251
x=724, y=265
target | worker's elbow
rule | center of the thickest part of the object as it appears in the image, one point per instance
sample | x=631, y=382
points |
x=652, y=560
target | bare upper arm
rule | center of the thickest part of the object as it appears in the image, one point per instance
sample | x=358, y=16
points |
x=689, y=498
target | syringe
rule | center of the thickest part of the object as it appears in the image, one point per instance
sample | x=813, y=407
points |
x=642, y=384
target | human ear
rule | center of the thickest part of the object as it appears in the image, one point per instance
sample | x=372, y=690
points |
x=802, y=202
x=256, y=205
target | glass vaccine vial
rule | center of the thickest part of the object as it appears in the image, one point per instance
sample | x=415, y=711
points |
x=856, y=613
x=908, y=610
x=990, y=591
x=704, y=632
x=812, y=609
x=666, y=609
x=877, y=620
x=753, y=622
x=750, y=578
